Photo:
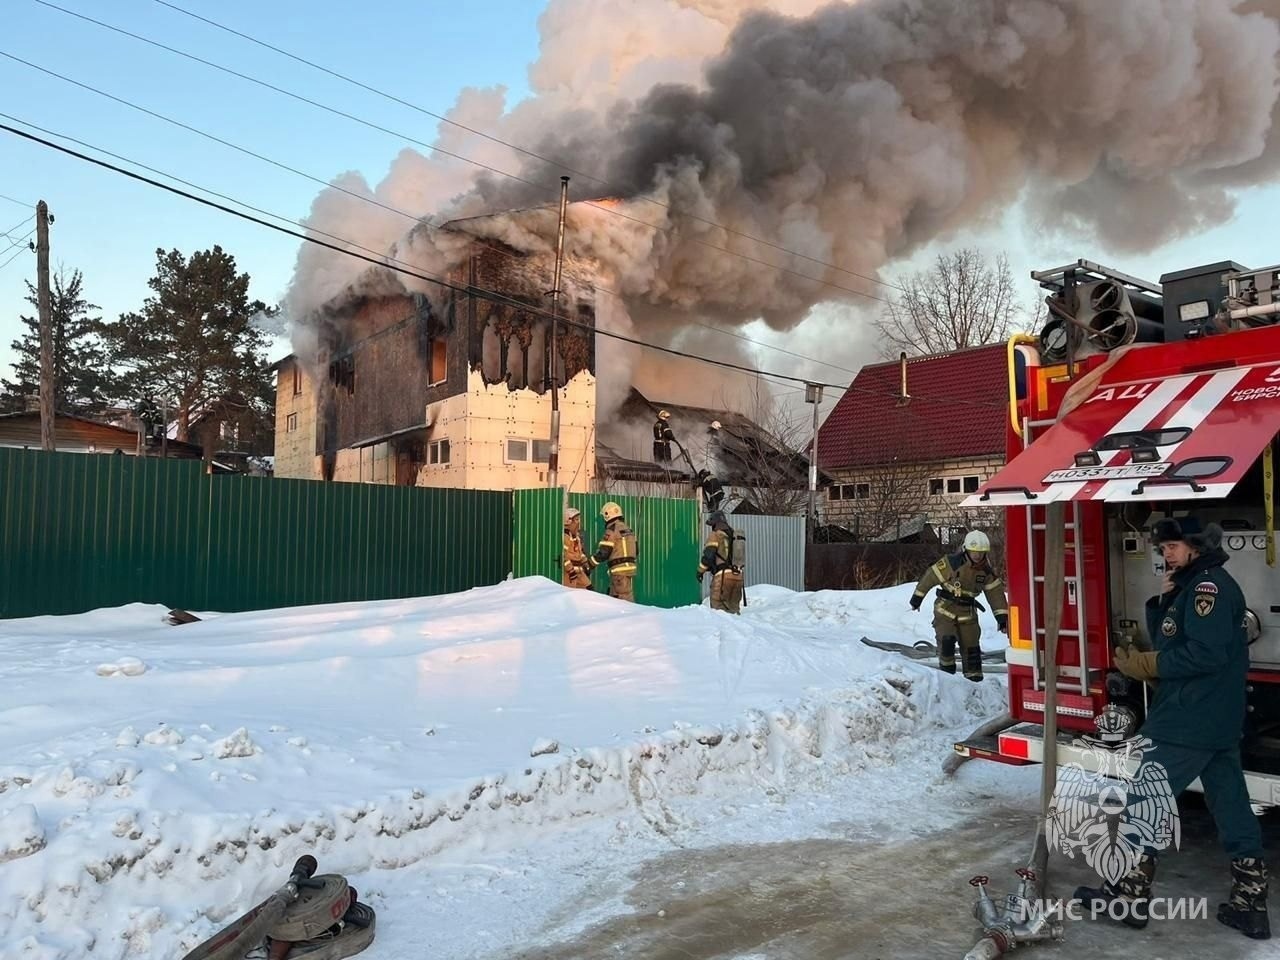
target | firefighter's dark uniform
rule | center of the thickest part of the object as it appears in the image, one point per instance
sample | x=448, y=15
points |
x=662, y=439
x=619, y=551
x=1196, y=719
x=577, y=569
x=726, y=579
x=955, y=608
x=712, y=490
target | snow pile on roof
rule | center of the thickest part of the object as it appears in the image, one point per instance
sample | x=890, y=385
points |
x=143, y=806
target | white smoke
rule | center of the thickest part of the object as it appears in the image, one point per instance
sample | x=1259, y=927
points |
x=851, y=134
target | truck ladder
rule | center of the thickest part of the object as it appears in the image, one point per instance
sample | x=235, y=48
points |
x=1037, y=583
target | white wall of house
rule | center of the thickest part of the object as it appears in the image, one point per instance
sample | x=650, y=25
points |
x=295, y=443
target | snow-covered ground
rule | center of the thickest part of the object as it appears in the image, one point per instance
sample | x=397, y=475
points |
x=481, y=765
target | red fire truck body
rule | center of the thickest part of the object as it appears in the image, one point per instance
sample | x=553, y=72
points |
x=1170, y=405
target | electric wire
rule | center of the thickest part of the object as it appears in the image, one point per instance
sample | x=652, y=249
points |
x=479, y=133
x=407, y=270
x=512, y=176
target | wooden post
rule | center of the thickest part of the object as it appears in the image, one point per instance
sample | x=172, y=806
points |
x=47, y=412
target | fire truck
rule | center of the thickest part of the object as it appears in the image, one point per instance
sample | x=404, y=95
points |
x=1136, y=401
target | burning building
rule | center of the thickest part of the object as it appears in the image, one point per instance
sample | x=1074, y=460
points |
x=449, y=388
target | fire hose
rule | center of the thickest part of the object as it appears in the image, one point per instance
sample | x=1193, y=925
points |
x=317, y=918
x=1019, y=921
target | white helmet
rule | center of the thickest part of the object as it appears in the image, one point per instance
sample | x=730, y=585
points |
x=977, y=542
x=572, y=513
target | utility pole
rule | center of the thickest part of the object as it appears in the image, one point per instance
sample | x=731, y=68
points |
x=813, y=394
x=553, y=459
x=46, y=326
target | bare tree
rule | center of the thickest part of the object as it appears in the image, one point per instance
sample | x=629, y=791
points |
x=763, y=459
x=964, y=300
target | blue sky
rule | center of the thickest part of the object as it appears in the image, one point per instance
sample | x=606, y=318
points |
x=109, y=227
x=422, y=50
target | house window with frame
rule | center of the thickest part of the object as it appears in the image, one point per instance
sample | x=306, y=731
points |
x=835, y=492
x=937, y=486
x=517, y=450
x=438, y=452
x=861, y=491
x=541, y=451
x=291, y=423
x=439, y=371
x=297, y=379
x=971, y=483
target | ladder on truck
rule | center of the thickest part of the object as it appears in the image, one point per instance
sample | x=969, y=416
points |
x=1073, y=697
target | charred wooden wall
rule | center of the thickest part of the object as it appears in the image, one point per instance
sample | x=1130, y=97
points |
x=380, y=376
x=510, y=345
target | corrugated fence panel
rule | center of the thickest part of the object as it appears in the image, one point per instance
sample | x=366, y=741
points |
x=775, y=550
x=668, y=531
x=538, y=541
x=667, y=534
x=81, y=531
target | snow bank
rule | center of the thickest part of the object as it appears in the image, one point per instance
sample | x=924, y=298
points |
x=376, y=735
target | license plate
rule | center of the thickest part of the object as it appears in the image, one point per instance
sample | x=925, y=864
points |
x=1128, y=471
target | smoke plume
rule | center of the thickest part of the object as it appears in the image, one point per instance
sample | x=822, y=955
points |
x=850, y=135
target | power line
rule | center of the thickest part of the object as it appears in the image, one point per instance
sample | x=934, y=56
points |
x=322, y=182
x=512, y=176
x=21, y=203
x=408, y=270
x=18, y=248
x=487, y=136
x=8, y=233
x=483, y=294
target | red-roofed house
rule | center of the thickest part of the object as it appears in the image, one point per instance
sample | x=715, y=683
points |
x=900, y=469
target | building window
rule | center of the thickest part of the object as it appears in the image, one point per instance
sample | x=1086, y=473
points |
x=835, y=492
x=342, y=373
x=541, y=451
x=861, y=491
x=438, y=451
x=439, y=362
x=517, y=450
x=291, y=423
x=957, y=485
x=937, y=486
x=297, y=379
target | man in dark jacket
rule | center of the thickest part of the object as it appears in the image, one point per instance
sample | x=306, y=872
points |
x=1196, y=718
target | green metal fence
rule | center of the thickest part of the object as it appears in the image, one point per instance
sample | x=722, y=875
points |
x=667, y=532
x=79, y=532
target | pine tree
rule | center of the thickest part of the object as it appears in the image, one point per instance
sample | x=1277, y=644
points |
x=79, y=361
x=194, y=342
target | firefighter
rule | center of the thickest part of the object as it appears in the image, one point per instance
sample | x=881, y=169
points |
x=662, y=437
x=712, y=489
x=619, y=550
x=1199, y=667
x=960, y=577
x=717, y=559
x=577, y=571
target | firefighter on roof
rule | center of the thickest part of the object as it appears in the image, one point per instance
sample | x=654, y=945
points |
x=718, y=559
x=1200, y=666
x=960, y=577
x=618, y=550
x=577, y=570
x=662, y=437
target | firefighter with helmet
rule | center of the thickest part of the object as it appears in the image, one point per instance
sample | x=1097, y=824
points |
x=577, y=570
x=960, y=577
x=662, y=437
x=619, y=551
x=1200, y=668
x=718, y=560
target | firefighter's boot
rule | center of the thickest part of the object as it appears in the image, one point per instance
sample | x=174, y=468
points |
x=947, y=653
x=1246, y=910
x=1130, y=896
x=973, y=664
